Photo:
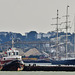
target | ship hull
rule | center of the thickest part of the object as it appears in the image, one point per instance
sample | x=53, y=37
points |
x=36, y=61
x=14, y=65
x=63, y=62
x=53, y=62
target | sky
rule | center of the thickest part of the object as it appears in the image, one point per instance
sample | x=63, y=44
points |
x=22, y=16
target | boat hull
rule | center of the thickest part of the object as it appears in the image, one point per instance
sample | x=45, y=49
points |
x=63, y=62
x=53, y=62
x=13, y=66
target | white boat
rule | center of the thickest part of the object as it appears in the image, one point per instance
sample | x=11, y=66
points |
x=12, y=60
x=11, y=55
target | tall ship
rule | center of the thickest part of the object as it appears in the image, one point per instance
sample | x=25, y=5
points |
x=66, y=60
x=59, y=60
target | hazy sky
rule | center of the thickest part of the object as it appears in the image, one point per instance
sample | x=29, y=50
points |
x=25, y=15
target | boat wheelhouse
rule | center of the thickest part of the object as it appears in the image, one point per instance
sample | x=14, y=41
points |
x=11, y=54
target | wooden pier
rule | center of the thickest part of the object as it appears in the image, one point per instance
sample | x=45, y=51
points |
x=49, y=68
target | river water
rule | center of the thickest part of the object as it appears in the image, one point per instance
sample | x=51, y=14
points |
x=35, y=73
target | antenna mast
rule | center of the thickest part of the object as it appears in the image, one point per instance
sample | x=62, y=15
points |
x=12, y=42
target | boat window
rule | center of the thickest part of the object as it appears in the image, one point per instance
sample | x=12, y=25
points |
x=13, y=53
x=16, y=53
x=9, y=53
x=4, y=58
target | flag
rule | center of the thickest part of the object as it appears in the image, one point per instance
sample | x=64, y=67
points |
x=5, y=52
x=10, y=49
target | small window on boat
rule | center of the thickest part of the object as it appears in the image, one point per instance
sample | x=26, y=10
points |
x=9, y=54
x=4, y=58
x=16, y=53
x=13, y=53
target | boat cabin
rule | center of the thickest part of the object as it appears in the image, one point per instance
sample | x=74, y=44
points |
x=12, y=52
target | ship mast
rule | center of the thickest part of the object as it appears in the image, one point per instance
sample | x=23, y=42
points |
x=57, y=34
x=66, y=28
x=74, y=36
x=12, y=41
x=57, y=19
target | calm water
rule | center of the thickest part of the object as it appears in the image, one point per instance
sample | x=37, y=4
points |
x=35, y=73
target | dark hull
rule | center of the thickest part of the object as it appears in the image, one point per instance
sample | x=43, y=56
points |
x=49, y=68
x=63, y=62
x=36, y=61
x=12, y=66
x=54, y=62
